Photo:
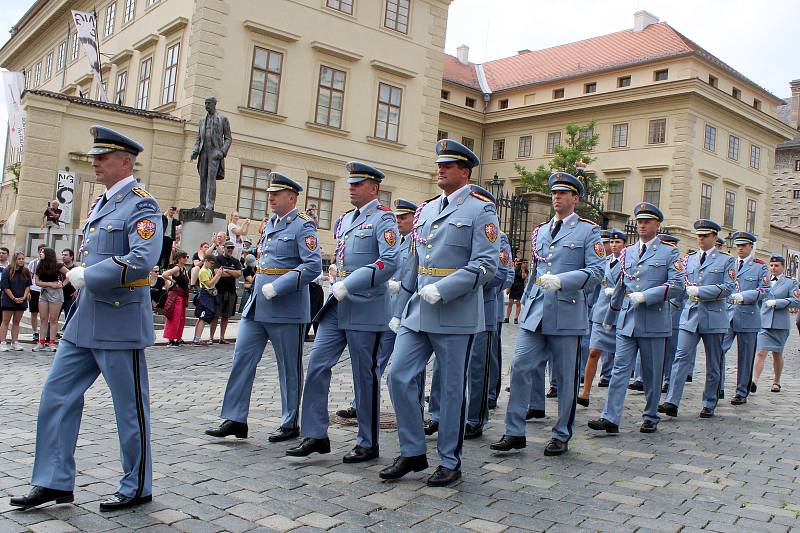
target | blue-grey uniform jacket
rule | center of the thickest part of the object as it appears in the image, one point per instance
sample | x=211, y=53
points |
x=785, y=295
x=366, y=258
x=716, y=279
x=610, y=277
x=505, y=256
x=122, y=240
x=290, y=260
x=658, y=274
x=576, y=256
x=403, y=247
x=492, y=291
x=458, y=249
x=746, y=317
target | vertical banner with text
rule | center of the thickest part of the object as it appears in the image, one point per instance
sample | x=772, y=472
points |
x=86, y=24
x=65, y=192
x=792, y=263
x=13, y=85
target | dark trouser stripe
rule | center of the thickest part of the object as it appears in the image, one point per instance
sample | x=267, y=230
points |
x=485, y=383
x=463, y=418
x=575, y=380
x=137, y=386
x=375, y=391
x=301, y=340
x=498, y=386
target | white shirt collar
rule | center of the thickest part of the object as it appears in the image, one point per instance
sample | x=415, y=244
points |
x=648, y=243
x=452, y=196
x=118, y=187
x=570, y=218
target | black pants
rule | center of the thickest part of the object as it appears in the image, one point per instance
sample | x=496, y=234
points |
x=317, y=297
x=166, y=251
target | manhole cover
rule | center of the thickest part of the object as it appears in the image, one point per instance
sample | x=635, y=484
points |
x=388, y=420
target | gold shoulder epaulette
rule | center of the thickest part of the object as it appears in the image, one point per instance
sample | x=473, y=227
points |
x=141, y=192
x=590, y=221
x=481, y=197
x=304, y=216
x=432, y=199
x=671, y=244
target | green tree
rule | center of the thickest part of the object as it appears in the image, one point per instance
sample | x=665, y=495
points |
x=15, y=170
x=569, y=157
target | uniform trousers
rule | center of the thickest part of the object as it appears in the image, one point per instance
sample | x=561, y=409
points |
x=533, y=349
x=651, y=355
x=669, y=354
x=435, y=396
x=479, y=379
x=329, y=343
x=61, y=406
x=607, y=361
x=287, y=339
x=687, y=350
x=496, y=364
x=412, y=351
x=384, y=353
x=745, y=356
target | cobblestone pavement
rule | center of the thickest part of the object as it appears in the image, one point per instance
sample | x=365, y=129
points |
x=736, y=472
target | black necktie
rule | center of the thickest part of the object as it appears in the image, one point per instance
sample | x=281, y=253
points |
x=356, y=214
x=741, y=263
x=774, y=278
x=614, y=263
x=444, y=204
x=644, y=249
x=555, y=229
x=702, y=258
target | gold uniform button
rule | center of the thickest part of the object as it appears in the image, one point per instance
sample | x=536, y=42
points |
x=116, y=304
x=430, y=246
x=552, y=246
x=637, y=279
x=427, y=256
x=91, y=230
x=436, y=226
x=270, y=239
x=549, y=264
x=85, y=253
x=109, y=227
x=637, y=286
x=458, y=224
x=83, y=264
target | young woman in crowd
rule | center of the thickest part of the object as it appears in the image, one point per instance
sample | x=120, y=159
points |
x=236, y=232
x=16, y=288
x=206, y=297
x=50, y=276
x=517, y=287
x=197, y=262
x=177, y=282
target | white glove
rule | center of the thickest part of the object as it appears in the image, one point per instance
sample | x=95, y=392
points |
x=550, y=282
x=737, y=297
x=770, y=303
x=430, y=294
x=75, y=277
x=394, y=324
x=269, y=291
x=609, y=291
x=692, y=291
x=636, y=297
x=339, y=290
x=394, y=286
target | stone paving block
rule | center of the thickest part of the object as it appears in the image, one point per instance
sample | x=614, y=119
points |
x=168, y=516
x=279, y=523
x=319, y=520
x=52, y=526
x=620, y=498
x=484, y=526
x=193, y=525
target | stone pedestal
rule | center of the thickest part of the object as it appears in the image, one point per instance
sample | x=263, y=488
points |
x=198, y=226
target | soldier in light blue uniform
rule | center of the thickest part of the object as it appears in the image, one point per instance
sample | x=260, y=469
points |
x=710, y=278
x=440, y=309
x=121, y=243
x=651, y=274
x=568, y=261
x=781, y=294
x=675, y=307
x=744, y=312
x=496, y=361
x=355, y=315
x=278, y=310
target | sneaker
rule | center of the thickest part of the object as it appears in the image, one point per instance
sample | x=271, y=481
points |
x=40, y=347
x=35, y=337
x=53, y=347
x=17, y=347
x=5, y=348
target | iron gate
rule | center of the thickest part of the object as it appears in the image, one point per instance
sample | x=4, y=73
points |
x=512, y=211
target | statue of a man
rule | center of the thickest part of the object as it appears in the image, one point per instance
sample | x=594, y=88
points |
x=210, y=148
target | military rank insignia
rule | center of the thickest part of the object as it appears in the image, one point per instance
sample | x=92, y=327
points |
x=732, y=274
x=491, y=232
x=390, y=237
x=766, y=279
x=599, y=249
x=146, y=228
x=678, y=265
x=311, y=242
x=796, y=293
x=505, y=257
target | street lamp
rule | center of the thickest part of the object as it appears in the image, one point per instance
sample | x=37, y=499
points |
x=496, y=187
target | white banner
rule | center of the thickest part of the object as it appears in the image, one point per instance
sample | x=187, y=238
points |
x=792, y=263
x=13, y=85
x=65, y=191
x=86, y=24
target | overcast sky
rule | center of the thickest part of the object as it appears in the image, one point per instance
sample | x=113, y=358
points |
x=754, y=37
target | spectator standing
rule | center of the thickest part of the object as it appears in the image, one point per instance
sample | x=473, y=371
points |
x=15, y=285
x=236, y=232
x=70, y=293
x=158, y=291
x=217, y=244
x=517, y=287
x=4, y=253
x=226, y=291
x=33, y=302
x=49, y=275
x=177, y=280
x=204, y=302
x=197, y=262
x=248, y=275
x=171, y=229
x=52, y=216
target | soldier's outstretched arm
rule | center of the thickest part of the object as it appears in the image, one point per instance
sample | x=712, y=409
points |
x=724, y=289
x=615, y=303
x=380, y=271
x=592, y=272
x=507, y=269
x=311, y=262
x=754, y=295
x=674, y=284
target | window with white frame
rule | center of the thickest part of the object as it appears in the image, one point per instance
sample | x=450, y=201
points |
x=330, y=97
x=705, y=200
x=553, y=140
x=48, y=66
x=143, y=91
x=171, y=73
x=750, y=222
x=733, y=147
x=130, y=11
x=525, y=145
x=320, y=194
x=387, y=119
x=619, y=135
x=61, y=56
x=345, y=6
x=755, y=156
x=111, y=12
x=73, y=54
x=122, y=83
x=265, y=79
x=397, y=15
x=37, y=74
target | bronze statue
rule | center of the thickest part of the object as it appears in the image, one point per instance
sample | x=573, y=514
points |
x=210, y=148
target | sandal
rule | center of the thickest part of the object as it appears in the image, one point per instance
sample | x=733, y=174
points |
x=776, y=387
x=201, y=343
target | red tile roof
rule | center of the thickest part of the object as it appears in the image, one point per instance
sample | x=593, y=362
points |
x=457, y=72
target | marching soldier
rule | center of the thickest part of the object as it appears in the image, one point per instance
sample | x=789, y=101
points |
x=675, y=307
x=710, y=278
x=751, y=281
x=278, y=310
x=650, y=274
x=568, y=261
x=456, y=251
x=122, y=240
x=496, y=361
x=355, y=315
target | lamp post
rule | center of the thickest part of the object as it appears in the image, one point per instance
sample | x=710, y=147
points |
x=496, y=187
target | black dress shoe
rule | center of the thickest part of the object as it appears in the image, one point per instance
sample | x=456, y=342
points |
x=443, y=476
x=689, y=378
x=739, y=400
x=472, y=432
x=430, y=427
x=534, y=413
x=603, y=383
x=492, y=405
x=283, y=433
x=552, y=393
x=404, y=465
x=39, y=495
x=508, y=443
x=668, y=409
x=721, y=395
x=556, y=447
x=309, y=446
x=360, y=454
x=120, y=501
x=229, y=427
x=582, y=401
x=665, y=388
x=648, y=427
x=636, y=385
x=505, y=321
x=350, y=412
x=753, y=387
x=603, y=425
x=705, y=412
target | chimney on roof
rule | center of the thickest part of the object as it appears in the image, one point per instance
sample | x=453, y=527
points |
x=462, y=52
x=642, y=19
x=794, y=104
x=523, y=51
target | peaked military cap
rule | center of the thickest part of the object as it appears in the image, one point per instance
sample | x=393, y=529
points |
x=449, y=151
x=776, y=258
x=605, y=235
x=646, y=210
x=666, y=237
x=705, y=227
x=107, y=140
x=744, y=237
x=616, y=233
x=561, y=181
x=360, y=172
x=279, y=182
x=404, y=207
x=720, y=241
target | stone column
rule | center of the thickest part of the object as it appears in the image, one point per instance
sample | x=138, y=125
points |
x=616, y=219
